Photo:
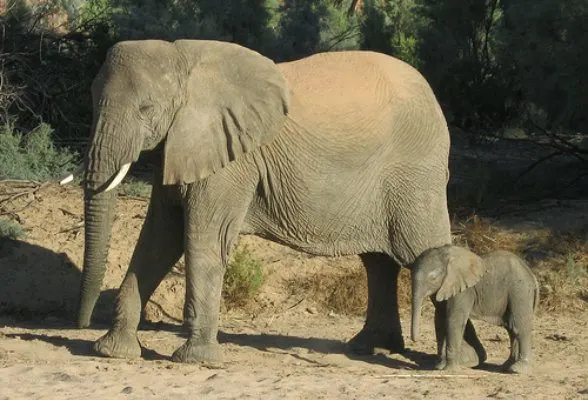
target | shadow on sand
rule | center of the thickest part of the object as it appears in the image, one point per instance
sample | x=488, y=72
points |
x=39, y=289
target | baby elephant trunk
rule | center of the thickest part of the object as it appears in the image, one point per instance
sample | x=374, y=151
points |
x=417, y=302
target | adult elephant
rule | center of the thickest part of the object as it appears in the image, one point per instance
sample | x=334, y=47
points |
x=335, y=154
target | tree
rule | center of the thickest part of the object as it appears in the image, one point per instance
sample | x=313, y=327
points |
x=391, y=26
x=311, y=26
x=458, y=50
x=546, y=42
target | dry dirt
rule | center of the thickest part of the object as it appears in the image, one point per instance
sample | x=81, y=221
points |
x=282, y=347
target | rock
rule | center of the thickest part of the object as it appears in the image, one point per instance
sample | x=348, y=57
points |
x=311, y=310
x=127, y=390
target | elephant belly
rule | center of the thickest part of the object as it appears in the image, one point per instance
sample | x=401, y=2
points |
x=321, y=219
x=316, y=239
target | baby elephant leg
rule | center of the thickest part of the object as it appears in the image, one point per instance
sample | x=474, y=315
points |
x=472, y=352
x=521, y=353
x=514, y=350
x=519, y=329
x=458, y=311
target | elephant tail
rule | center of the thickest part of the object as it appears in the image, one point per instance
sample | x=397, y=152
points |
x=536, y=289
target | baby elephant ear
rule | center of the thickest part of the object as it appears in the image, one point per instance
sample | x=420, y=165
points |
x=464, y=269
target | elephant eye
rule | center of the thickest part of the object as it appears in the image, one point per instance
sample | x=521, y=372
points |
x=145, y=108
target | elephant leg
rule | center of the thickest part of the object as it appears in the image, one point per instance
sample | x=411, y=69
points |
x=514, y=346
x=472, y=352
x=382, y=326
x=457, y=318
x=159, y=247
x=521, y=350
x=204, y=278
x=210, y=229
x=440, y=318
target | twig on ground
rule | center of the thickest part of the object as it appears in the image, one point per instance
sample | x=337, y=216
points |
x=165, y=313
x=67, y=212
x=433, y=376
x=20, y=194
x=14, y=216
x=77, y=226
x=138, y=198
x=15, y=212
x=29, y=182
x=295, y=304
x=29, y=192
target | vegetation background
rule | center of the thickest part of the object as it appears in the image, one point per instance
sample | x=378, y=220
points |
x=496, y=65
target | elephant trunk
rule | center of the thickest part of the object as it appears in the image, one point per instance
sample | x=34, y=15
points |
x=99, y=216
x=417, y=302
x=108, y=161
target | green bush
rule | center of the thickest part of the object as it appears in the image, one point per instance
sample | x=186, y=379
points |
x=10, y=229
x=33, y=156
x=243, y=278
x=135, y=188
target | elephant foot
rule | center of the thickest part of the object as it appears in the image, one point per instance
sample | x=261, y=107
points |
x=368, y=342
x=451, y=367
x=469, y=357
x=445, y=365
x=441, y=364
x=208, y=354
x=118, y=344
x=520, y=367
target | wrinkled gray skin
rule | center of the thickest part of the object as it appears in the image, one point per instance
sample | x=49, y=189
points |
x=336, y=154
x=498, y=288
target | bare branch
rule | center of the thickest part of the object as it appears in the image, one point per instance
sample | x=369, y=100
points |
x=28, y=192
x=537, y=163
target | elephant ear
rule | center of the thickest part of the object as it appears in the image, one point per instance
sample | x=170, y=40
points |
x=464, y=269
x=234, y=101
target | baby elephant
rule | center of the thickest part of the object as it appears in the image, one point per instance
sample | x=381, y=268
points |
x=498, y=288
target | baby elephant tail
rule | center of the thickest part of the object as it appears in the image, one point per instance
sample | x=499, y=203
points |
x=535, y=288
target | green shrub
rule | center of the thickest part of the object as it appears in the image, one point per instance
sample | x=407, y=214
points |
x=243, y=278
x=135, y=188
x=10, y=230
x=33, y=156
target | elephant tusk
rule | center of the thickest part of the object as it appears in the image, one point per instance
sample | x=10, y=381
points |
x=119, y=177
x=66, y=180
x=70, y=177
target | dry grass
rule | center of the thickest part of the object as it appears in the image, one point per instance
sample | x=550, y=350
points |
x=563, y=274
x=344, y=292
x=479, y=235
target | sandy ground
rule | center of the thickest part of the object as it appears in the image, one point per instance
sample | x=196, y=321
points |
x=282, y=348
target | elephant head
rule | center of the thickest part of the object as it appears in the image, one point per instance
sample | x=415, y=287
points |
x=204, y=103
x=443, y=271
